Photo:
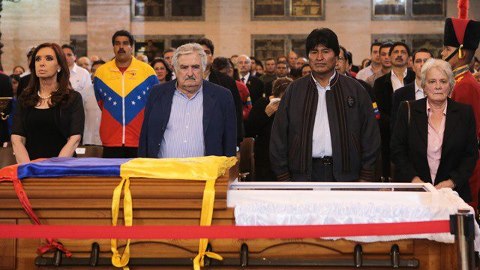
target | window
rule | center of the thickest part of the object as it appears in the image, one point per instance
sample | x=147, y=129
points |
x=149, y=8
x=179, y=41
x=408, y=9
x=80, y=44
x=268, y=8
x=187, y=8
x=432, y=42
x=268, y=48
x=303, y=8
x=288, y=9
x=153, y=46
x=298, y=46
x=273, y=46
x=168, y=10
x=428, y=7
x=78, y=10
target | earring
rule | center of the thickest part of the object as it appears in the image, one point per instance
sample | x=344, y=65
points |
x=58, y=70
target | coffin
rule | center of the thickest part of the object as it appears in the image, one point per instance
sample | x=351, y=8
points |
x=87, y=201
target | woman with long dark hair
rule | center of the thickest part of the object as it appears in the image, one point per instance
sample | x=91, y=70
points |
x=162, y=69
x=49, y=119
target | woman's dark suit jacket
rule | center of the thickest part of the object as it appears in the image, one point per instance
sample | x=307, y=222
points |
x=459, y=148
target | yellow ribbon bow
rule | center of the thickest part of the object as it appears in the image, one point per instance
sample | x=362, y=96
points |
x=199, y=169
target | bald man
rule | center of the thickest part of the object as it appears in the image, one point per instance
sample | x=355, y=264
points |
x=254, y=84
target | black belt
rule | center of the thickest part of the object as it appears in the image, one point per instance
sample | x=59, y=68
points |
x=326, y=160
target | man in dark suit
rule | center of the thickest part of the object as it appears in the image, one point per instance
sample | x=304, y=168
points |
x=5, y=91
x=282, y=70
x=383, y=88
x=188, y=117
x=411, y=91
x=216, y=77
x=461, y=40
x=254, y=84
x=25, y=77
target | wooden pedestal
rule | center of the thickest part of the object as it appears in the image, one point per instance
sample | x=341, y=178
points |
x=87, y=201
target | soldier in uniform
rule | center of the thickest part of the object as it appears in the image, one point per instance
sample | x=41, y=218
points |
x=460, y=42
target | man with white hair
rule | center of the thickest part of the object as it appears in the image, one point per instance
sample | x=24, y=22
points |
x=85, y=63
x=300, y=62
x=189, y=116
x=254, y=84
x=142, y=57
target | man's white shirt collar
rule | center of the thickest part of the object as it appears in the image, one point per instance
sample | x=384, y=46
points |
x=75, y=68
x=319, y=86
x=246, y=77
x=419, y=94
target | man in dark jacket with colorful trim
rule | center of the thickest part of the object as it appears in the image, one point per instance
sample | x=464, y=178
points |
x=325, y=128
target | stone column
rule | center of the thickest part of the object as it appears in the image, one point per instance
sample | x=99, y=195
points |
x=27, y=23
x=1, y=44
x=104, y=18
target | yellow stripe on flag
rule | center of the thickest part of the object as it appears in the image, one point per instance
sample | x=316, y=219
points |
x=198, y=169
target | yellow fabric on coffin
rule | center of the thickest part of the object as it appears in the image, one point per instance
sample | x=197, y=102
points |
x=117, y=259
x=197, y=169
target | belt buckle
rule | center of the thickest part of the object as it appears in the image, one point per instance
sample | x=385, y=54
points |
x=327, y=161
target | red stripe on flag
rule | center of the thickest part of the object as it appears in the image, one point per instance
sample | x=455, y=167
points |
x=222, y=232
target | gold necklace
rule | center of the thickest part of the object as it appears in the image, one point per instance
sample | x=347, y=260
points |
x=43, y=98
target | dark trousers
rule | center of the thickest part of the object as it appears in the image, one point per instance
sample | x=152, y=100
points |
x=120, y=152
x=322, y=170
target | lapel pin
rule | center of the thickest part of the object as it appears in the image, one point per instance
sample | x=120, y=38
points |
x=350, y=101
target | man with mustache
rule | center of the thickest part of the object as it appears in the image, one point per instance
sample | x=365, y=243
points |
x=324, y=129
x=383, y=88
x=414, y=90
x=189, y=116
x=121, y=87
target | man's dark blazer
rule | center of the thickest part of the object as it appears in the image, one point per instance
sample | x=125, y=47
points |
x=256, y=88
x=23, y=83
x=5, y=91
x=459, y=148
x=383, y=90
x=219, y=120
x=229, y=83
x=365, y=85
x=402, y=94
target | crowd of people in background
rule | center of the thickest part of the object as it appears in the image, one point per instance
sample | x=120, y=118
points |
x=91, y=101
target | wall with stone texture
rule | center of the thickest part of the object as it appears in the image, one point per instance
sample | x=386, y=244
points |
x=228, y=23
x=31, y=22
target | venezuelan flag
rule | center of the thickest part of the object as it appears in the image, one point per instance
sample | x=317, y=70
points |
x=206, y=169
x=375, y=110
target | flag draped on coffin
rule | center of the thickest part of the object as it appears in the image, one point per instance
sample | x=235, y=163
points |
x=206, y=169
x=66, y=167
